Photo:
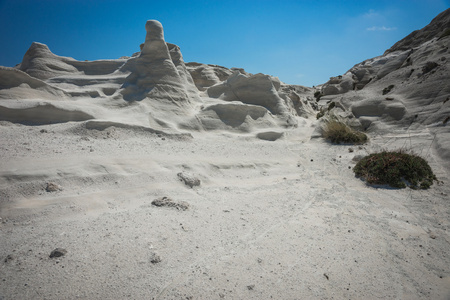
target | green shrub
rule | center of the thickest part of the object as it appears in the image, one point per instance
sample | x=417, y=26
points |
x=317, y=95
x=388, y=89
x=320, y=114
x=331, y=105
x=339, y=132
x=397, y=169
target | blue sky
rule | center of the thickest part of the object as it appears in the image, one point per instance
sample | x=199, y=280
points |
x=301, y=42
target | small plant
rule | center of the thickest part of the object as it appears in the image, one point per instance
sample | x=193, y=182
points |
x=320, y=114
x=430, y=65
x=445, y=33
x=446, y=120
x=338, y=132
x=388, y=89
x=331, y=106
x=317, y=95
x=397, y=169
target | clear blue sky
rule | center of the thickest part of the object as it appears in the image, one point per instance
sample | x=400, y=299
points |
x=301, y=42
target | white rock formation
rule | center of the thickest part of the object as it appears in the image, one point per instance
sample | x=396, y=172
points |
x=206, y=76
x=154, y=74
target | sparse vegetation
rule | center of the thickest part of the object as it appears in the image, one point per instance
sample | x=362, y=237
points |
x=446, y=120
x=338, y=132
x=320, y=114
x=388, y=89
x=430, y=65
x=398, y=169
x=445, y=33
x=317, y=95
x=322, y=111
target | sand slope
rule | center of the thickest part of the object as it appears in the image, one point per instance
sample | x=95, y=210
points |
x=285, y=219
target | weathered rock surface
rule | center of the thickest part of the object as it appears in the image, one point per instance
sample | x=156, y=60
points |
x=405, y=87
x=167, y=202
x=188, y=179
x=58, y=252
x=436, y=28
x=258, y=89
x=170, y=95
x=35, y=113
x=154, y=74
x=206, y=76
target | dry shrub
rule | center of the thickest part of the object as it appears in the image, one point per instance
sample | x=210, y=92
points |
x=338, y=132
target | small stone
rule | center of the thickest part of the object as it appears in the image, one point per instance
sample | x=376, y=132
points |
x=58, y=252
x=155, y=258
x=250, y=287
x=9, y=257
x=52, y=187
x=188, y=179
x=166, y=201
x=44, y=131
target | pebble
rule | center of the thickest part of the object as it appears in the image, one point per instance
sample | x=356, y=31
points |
x=58, y=252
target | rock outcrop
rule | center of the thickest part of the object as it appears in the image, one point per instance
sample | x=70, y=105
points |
x=406, y=87
x=416, y=49
x=206, y=76
x=258, y=89
x=438, y=27
x=154, y=73
x=41, y=63
x=161, y=91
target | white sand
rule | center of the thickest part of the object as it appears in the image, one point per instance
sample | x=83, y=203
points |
x=283, y=220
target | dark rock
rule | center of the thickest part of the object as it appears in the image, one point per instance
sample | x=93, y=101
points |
x=9, y=258
x=165, y=201
x=155, y=258
x=52, y=187
x=58, y=252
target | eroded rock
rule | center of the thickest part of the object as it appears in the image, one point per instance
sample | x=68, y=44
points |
x=167, y=202
x=189, y=179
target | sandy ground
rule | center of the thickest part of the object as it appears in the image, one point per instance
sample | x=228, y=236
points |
x=270, y=220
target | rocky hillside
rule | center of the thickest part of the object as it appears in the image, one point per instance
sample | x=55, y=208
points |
x=439, y=27
x=406, y=87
